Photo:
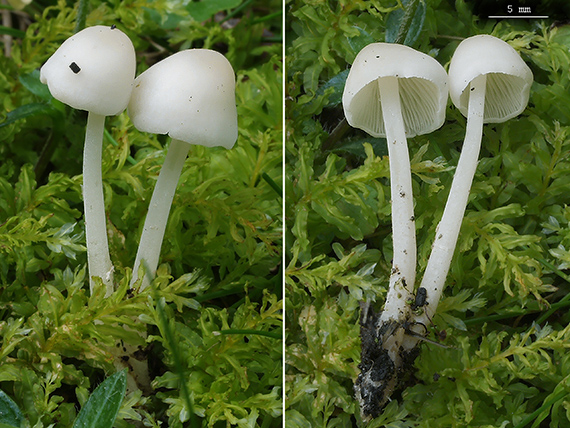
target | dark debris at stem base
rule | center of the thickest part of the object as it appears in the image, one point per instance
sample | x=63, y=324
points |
x=380, y=375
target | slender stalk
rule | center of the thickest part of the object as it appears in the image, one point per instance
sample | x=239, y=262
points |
x=447, y=231
x=272, y=184
x=159, y=209
x=7, y=22
x=98, y=259
x=403, y=224
x=149, y=249
x=82, y=10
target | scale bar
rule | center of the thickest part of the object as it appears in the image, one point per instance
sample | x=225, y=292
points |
x=518, y=16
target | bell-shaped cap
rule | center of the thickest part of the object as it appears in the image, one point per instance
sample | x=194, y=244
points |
x=93, y=70
x=190, y=96
x=422, y=85
x=508, y=77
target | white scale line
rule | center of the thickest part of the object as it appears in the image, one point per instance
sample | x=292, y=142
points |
x=518, y=16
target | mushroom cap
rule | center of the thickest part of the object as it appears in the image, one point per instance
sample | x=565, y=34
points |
x=190, y=96
x=93, y=70
x=508, y=77
x=422, y=86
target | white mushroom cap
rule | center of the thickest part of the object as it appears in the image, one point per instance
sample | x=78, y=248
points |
x=422, y=84
x=93, y=70
x=190, y=96
x=508, y=77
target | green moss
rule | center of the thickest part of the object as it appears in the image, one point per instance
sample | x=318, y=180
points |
x=220, y=261
x=498, y=367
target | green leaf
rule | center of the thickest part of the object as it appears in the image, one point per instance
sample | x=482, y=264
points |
x=396, y=23
x=12, y=32
x=103, y=405
x=10, y=414
x=24, y=111
x=454, y=321
x=296, y=419
x=32, y=83
x=152, y=15
x=204, y=10
x=359, y=42
x=356, y=147
x=337, y=83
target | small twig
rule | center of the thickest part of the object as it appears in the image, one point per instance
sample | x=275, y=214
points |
x=160, y=51
x=7, y=22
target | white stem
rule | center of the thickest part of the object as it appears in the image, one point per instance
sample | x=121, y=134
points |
x=98, y=259
x=403, y=223
x=448, y=229
x=158, y=211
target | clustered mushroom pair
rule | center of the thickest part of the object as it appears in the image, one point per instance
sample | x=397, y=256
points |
x=189, y=96
x=394, y=91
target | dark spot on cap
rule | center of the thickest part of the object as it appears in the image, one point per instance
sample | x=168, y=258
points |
x=74, y=67
x=113, y=27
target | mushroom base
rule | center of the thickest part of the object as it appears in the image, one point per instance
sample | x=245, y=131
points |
x=386, y=367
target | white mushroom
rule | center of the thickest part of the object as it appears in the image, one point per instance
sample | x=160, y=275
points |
x=191, y=97
x=394, y=91
x=93, y=70
x=489, y=83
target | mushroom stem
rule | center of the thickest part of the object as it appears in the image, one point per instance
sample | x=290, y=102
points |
x=155, y=223
x=98, y=259
x=403, y=225
x=447, y=231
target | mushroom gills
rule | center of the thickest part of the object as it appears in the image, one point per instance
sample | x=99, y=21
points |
x=420, y=93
